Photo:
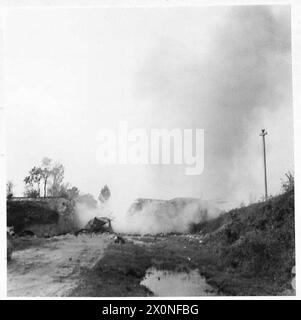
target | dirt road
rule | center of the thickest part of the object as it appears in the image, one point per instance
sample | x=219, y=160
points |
x=53, y=267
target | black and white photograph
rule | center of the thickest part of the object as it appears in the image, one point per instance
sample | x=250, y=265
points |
x=149, y=151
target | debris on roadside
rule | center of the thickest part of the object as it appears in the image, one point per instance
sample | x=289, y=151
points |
x=119, y=239
x=95, y=225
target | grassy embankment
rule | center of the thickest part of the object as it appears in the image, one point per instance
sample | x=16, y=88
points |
x=252, y=249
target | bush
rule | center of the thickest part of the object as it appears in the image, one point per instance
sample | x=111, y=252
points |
x=9, y=189
x=289, y=183
x=31, y=193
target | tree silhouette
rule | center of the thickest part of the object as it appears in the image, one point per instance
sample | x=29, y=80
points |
x=104, y=194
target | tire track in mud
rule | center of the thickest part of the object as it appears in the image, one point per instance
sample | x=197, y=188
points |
x=53, y=269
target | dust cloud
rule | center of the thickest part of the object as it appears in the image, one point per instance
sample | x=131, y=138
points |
x=242, y=84
x=151, y=216
x=83, y=213
x=148, y=216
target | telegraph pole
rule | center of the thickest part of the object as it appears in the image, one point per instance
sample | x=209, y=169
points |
x=263, y=134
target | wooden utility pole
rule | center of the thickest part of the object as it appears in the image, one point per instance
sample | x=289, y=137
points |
x=263, y=134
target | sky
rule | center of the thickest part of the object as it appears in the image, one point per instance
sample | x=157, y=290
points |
x=69, y=73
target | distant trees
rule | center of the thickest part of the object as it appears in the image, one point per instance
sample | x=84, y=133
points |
x=57, y=175
x=73, y=192
x=67, y=192
x=87, y=199
x=34, y=178
x=31, y=193
x=47, y=173
x=104, y=194
x=47, y=179
x=70, y=193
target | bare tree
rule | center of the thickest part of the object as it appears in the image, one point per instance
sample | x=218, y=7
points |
x=46, y=172
x=34, y=177
x=289, y=183
x=87, y=199
x=57, y=175
x=104, y=194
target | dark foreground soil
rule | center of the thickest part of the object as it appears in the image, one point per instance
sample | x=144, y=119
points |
x=120, y=271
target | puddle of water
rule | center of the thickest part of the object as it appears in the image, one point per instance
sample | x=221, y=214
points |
x=171, y=284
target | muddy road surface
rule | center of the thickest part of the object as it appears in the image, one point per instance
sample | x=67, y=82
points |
x=52, y=267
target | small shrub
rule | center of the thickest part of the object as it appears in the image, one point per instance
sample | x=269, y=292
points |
x=31, y=193
x=289, y=183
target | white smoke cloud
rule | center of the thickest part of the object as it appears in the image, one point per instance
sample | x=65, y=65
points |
x=83, y=213
x=149, y=216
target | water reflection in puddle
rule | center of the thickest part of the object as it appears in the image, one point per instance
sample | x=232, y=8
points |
x=169, y=283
